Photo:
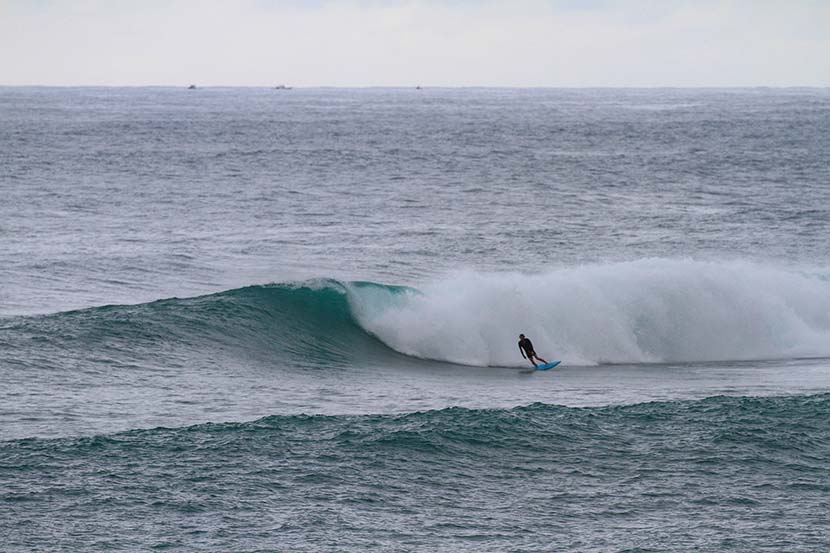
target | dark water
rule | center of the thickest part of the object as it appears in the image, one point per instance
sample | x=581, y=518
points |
x=717, y=474
x=258, y=320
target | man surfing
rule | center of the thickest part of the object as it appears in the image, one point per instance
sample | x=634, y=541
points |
x=526, y=347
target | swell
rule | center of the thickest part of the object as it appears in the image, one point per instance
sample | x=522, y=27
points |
x=647, y=311
x=699, y=469
x=777, y=422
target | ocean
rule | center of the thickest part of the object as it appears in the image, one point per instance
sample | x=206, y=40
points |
x=258, y=320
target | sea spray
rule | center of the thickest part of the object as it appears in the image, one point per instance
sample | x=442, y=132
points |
x=650, y=310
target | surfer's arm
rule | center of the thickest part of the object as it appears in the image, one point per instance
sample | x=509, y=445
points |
x=522, y=352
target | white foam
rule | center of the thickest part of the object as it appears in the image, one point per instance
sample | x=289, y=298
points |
x=651, y=310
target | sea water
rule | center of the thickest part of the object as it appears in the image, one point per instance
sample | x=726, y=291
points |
x=287, y=320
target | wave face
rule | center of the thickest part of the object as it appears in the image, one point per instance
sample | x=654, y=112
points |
x=639, y=312
x=655, y=310
x=307, y=323
x=688, y=473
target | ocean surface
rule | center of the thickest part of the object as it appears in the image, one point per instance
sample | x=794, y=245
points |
x=260, y=320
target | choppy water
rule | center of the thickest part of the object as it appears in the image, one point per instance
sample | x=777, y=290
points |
x=259, y=320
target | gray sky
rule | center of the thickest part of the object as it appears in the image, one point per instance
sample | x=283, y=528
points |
x=409, y=42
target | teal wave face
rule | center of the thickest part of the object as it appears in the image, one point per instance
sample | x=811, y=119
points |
x=308, y=323
x=701, y=469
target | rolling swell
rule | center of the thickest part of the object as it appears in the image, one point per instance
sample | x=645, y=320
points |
x=690, y=471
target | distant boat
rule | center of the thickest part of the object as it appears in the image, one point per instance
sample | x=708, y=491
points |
x=282, y=87
x=192, y=87
x=418, y=87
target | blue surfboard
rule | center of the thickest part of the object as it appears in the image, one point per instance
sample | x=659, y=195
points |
x=547, y=366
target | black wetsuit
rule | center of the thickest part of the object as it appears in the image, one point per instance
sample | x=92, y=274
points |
x=527, y=345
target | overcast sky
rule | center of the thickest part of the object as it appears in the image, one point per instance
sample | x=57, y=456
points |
x=409, y=42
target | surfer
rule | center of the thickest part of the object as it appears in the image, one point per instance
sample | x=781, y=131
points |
x=526, y=347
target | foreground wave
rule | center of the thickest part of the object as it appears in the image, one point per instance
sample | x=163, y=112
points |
x=697, y=474
x=646, y=311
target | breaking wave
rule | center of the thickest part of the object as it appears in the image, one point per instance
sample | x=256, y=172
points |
x=646, y=311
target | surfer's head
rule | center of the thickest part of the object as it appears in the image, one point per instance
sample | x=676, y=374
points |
x=521, y=335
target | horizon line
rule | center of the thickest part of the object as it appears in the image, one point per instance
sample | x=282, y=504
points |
x=423, y=86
